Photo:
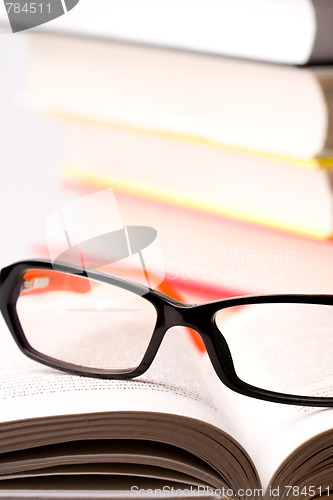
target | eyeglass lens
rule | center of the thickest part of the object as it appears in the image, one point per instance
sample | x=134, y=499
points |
x=84, y=322
x=279, y=347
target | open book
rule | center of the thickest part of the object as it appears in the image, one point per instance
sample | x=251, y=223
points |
x=176, y=431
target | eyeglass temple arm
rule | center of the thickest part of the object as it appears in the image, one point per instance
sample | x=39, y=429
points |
x=38, y=281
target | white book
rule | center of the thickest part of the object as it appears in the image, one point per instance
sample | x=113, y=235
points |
x=288, y=195
x=255, y=106
x=282, y=31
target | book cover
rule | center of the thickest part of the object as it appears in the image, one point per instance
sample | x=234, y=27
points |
x=285, y=194
x=262, y=107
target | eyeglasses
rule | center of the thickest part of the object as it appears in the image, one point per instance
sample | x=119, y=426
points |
x=273, y=347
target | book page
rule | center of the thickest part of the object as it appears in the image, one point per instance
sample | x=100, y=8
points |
x=99, y=457
x=104, y=487
x=174, y=385
x=80, y=488
x=172, y=403
x=277, y=355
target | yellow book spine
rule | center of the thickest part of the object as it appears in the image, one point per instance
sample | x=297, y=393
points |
x=101, y=181
x=325, y=162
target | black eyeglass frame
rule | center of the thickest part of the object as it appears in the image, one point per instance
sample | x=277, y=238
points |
x=170, y=312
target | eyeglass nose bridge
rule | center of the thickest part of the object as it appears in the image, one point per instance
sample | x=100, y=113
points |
x=201, y=319
x=188, y=316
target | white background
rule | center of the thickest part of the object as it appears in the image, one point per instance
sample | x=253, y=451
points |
x=30, y=151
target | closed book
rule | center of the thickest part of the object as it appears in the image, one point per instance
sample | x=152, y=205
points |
x=282, y=31
x=286, y=194
x=278, y=109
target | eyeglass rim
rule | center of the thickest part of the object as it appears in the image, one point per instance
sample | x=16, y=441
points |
x=174, y=313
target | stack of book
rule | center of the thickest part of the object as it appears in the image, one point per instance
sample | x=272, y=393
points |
x=229, y=159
